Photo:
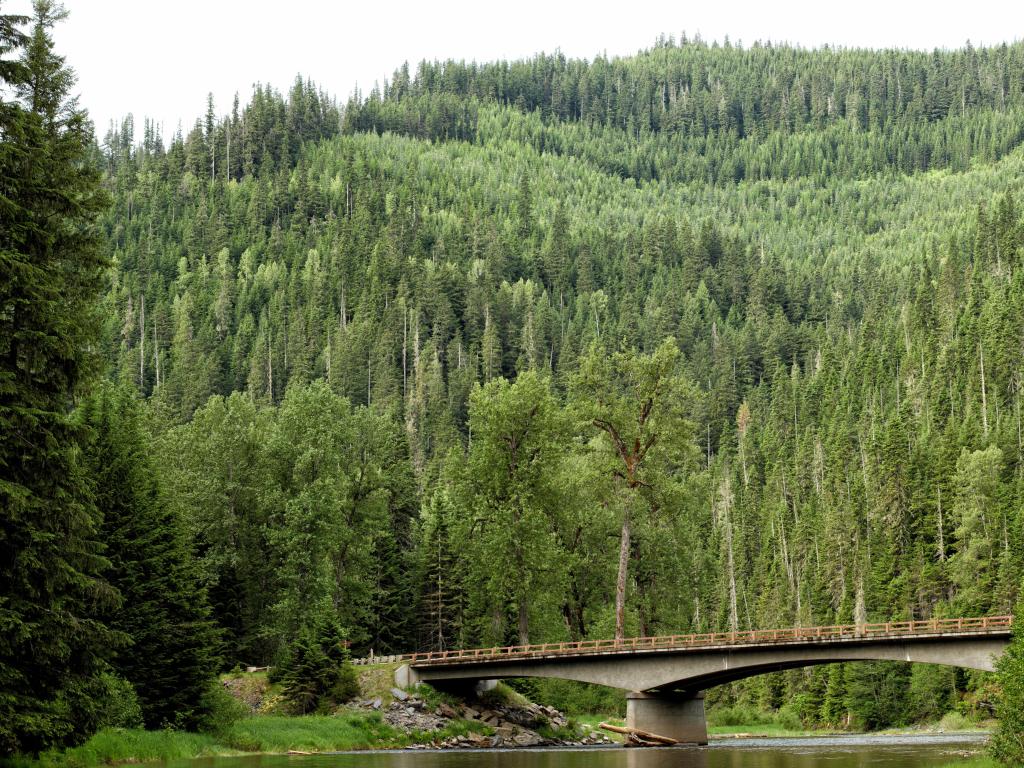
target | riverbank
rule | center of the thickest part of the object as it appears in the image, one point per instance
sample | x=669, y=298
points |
x=273, y=734
x=388, y=718
x=346, y=731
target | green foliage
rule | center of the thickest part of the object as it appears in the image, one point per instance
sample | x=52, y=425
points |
x=511, y=495
x=52, y=647
x=575, y=698
x=220, y=710
x=876, y=694
x=705, y=338
x=112, y=746
x=120, y=704
x=1008, y=741
x=317, y=675
x=172, y=656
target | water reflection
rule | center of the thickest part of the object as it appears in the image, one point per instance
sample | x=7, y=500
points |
x=841, y=752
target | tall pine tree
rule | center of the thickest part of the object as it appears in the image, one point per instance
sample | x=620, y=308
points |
x=51, y=644
x=171, y=661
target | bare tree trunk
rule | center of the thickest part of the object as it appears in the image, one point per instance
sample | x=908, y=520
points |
x=734, y=616
x=524, y=620
x=156, y=357
x=984, y=400
x=142, y=342
x=620, y=583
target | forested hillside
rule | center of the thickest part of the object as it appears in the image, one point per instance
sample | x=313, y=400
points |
x=709, y=337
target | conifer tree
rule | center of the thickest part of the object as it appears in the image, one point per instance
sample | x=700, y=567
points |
x=172, y=657
x=52, y=644
x=1008, y=741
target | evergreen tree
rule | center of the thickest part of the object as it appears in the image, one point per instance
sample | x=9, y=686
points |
x=171, y=660
x=1008, y=741
x=52, y=644
x=317, y=674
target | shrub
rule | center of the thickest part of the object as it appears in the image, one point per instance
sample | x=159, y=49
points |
x=119, y=707
x=220, y=710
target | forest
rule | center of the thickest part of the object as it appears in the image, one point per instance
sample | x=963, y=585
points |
x=709, y=337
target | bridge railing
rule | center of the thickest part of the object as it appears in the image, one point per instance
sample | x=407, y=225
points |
x=793, y=634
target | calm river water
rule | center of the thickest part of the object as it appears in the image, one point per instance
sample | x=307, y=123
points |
x=841, y=752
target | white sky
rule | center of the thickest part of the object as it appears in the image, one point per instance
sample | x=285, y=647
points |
x=160, y=59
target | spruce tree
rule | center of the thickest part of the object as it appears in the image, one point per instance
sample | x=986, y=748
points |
x=171, y=661
x=52, y=645
x=317, y=674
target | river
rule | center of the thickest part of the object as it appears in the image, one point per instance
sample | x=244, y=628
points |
x=838, y=752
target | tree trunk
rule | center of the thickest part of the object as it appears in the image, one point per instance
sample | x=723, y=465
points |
x=524, y=621
x=620, y=583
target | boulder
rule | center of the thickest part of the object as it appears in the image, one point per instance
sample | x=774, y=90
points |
x=527, y=739
x=399, y=694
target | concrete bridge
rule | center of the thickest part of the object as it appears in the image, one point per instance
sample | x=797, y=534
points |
x=666, y=676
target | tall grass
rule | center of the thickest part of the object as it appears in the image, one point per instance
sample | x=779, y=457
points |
x=311, y=733
x=261, y=733
x=127, y=745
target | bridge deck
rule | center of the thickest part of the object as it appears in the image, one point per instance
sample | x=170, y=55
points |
x=931, y=628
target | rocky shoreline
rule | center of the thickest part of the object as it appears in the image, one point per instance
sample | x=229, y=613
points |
x=513, y=726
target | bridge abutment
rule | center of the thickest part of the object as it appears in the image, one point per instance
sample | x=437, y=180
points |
x=678, y=716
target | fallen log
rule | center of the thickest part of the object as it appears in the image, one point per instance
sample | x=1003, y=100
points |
x=638, y=734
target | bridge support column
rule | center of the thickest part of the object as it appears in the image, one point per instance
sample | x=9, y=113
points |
x=678, y=716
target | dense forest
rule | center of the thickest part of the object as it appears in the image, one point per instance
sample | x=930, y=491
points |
x=709, y=337
x=332, y=314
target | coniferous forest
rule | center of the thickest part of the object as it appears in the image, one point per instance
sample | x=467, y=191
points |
x=706, y=338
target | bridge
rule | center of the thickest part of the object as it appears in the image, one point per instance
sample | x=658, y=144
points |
x=666, y=676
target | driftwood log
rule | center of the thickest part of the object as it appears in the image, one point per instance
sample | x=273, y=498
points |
x=637, y=736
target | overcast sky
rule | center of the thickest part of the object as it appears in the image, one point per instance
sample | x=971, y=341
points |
x=160, y=59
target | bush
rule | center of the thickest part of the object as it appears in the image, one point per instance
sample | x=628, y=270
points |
x=220, y=710
x=119, y=707
x=788, y=717
x=739, y=714
x=575, y=698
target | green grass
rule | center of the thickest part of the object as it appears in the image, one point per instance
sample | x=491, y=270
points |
x=311, y=733
x=127, y=745
x=979, y=761
x=260, y=733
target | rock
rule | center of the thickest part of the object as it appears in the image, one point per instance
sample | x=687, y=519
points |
x=527, y=739
x=505, y=731
x=445, y=711
x=399, y=694
x=376, y=704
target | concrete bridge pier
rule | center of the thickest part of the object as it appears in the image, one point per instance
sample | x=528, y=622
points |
x=678, y=716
